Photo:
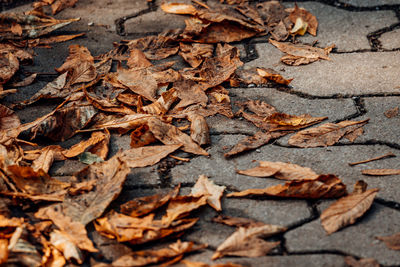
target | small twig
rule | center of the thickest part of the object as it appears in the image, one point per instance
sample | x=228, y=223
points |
x=388, y=155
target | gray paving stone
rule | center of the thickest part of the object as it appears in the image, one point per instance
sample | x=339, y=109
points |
x=358, y=239
x=349, y=73
x=347, y=30
x=390, y=40
x=328, y=260
x=364, y=3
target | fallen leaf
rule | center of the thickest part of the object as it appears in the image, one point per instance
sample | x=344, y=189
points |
x=63, y=243
x=307, y=17
x=325, y=186
x=391, y=113
x=392, y=242
x=237, y=221
x=3, y=250
x=195, y=53
x=27, y=81
x=137, y=59
x=347, y=210
x=45, y=160
x=142, y=136
x=363, y=262
x=144, y=205
x=98, y=142
x=9, y=124
x=9, y=65
x=326, y=134
x=280, y=170
x=146, y=156
x=388, y=155
x=271, y=75
x=199, y=131
x=248, y=242
x=255, y=141
x=381, y=172
x=163, y=103
x=146, y=257
x=202, y=264
x=178, y=8
x=205, y=187
x=180, y=206
x=59, y=5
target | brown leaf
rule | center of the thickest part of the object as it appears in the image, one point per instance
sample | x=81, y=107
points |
x=388, y=155
x=146, y=257
x=237, y=221
x=180, y=206
x=146, y=156
x=347, y=210
x=9, y=124
x=202, y=264
x=9, y=65
x=325, y=186
x=280, y=170
x=163, y=103
x=381, y=172
x=59, y=5
x=366, y=262
x=58, y=39
x=142, y=136
x=391, y=113
x=178, y=8
x=253, y=142
x=170, y=135
x=3, y=250
x=282, y=121
x=190, y=93
x=301, y=54
x=205, y=187
x=110, y=176
x=195, y=53
x=199, y=131
x=248, y=242
x=98, y=142
x=271, y=75
x=62, y=242
x=392, y=242
x=45, y=160
x=140, y=81
x=144, y=205
x=137, y=59
x=27, y=81
x=326, y=134
x=307, y=17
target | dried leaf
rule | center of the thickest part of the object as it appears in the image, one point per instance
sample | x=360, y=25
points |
x=199, y=131
x=163, y=103
x=3, y=250
x=144, y=205
x=142, y=136
x=388, y=155
x=280, y=170
x=381, y=172
x=271, y=75
x=205, y=187
x=202, y=264
x=325, y=186
x=236, y=221
x=178, y=8
x=110, y=176
x=45, y=160
x=347, y=210
x=59, y=5
x=248, y=242
x=366, y=262
x=9, y=124
x=146, y=156
x=392, y=242
x=307, y=17
x=137, y=59
x=180, y=206
x=146, y=257
x=140, y=81
x=326, y=134
x=98, y=142
x=195, y=53
x=63, y=243
x=391, y=113
x=9, y=65
x=27, y=81
x=253, y=142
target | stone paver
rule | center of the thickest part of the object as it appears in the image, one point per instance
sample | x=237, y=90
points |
x=368, y=3
x=358, y=239
x=347, y=30
x=390, y=40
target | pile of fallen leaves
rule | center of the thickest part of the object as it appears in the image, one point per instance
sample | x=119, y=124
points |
x=146, y=96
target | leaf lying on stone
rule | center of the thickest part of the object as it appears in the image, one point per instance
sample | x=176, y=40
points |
x=248, y=242
x=202, y=264
x=180, y=206
x=178, y=8
x=347, y=210
x=363, y=262
x=325, y=186
x=9, y=124
x=305, y=16
x=199, y=131
x=388, y=155
x=271, y=75
x=327, y=134
x=207, y=188
x=280, y=170
x=237, y=221
x=98, y=142
x=9, y=65
x=381, y=172
x=56, y=5
x=285, y=122
x=194, y=53
x=392, y=242
x=391, y=113
x=172, y=254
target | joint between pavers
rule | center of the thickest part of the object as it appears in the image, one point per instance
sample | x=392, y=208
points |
x=360, y=110
x=387, y=203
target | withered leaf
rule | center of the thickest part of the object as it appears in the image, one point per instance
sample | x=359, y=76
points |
x=381, y=172
x=139, y=80
x=301, y=54
x=109, y=176
x=180, y=206
x=364, y=262
x=326, y=134
x=163, y=103
x=205, y=187
x=202, y=264
x=63, y=243
x=391, y=113
x=199, y=131
x=347, y=210
x=178, y=8
x=195, y=53
x=144, y=205
x=392, y=242
x=137, y=59
x=280, y=170
x=45, y=160
x=237, y=221
x=59, y=5
x=98, y=142
x=9, y=65
x=146, y=156
x=248, y=242
x=255, y=141
x=146, y=257
x=142, y=136
x=307, y=17
x=271, y=75
x=282, y=121
x=9, y=124
x=325, y=186
x=3, y=250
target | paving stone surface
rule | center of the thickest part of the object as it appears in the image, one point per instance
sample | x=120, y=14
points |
x=361, y=81
x=358, y=239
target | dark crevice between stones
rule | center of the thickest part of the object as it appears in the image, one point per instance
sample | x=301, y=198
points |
x=360, y=107
x=120, y=22
x=364, y=143
x=373, y=37
x=388, y=203
x=251, y=51
x=164, y=171
x=228, y=188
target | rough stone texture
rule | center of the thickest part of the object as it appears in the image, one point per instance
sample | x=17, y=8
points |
x=330, y=260
x=369, y=3
x=390, y=40
x=358, y=239
x=354, y=73
x=347, y=30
